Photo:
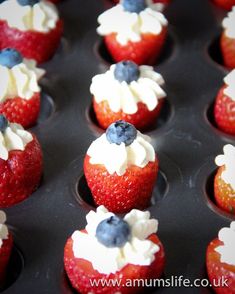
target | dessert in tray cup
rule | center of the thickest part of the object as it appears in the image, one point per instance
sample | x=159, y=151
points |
x=112, y=248
x=19, y=90
x=224, y=182
x=220, y=261
x=128, y=92
x=140, y=35
x=32, y=27
x=224, y=109
x=121, y=168
x=227, y=40
x=6, y=244
x=20, y=163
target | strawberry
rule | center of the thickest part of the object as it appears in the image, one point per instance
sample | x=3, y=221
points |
x=224, y=112
x=31, y=44
x=20, y=175
x=54, y=1
x=121, y=193
x=145, y=51
x=226, y=4
x=81, y=272
x=224, y=194
x=217, y=270
x=228, y=50
x=142, y=119
x=5, y=253
x=22, y=111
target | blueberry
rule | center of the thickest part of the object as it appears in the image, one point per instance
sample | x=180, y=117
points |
x=28, y=2
x=3, y=123
x=10, y=57
x=113, y=232
x=134, y=5
x=121, y=132
x=126, y=71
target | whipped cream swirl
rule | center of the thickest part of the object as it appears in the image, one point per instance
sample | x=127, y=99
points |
x=3, y=228
x=123, y=96
x=230, y=82
x=132, y=25
x=229, y=24
x=41, y=17
x=20, y=81
x=228, y=160
x=226, y=251
x=138, y=250
x=13, y=138
x=139, y=153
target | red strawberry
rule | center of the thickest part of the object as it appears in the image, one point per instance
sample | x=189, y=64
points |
x=226, y=4
x=217, y=270
x=81, y=272
x=228, y=50
x=224, y=112
x=22, y=111
x=5, y=253
x=145, y=51
x=121, y=193
x=142, y=119
x=20, y=175
x=224, y=194
x=31, y=44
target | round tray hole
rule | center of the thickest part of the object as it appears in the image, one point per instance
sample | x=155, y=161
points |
x=14, y=268
x=102, y=53
x=163, y=118
x=214, y=51
x=210, y=198
x=84, y=197
x=47, y=108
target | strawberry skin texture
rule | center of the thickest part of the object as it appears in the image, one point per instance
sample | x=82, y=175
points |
x=142, y=119
x=5, y=253
x=224, y=194
x=146, y=51
x=20, y=175
x=120, y=194
x=22, y=111
x=226, y=4
x=81, y=271
x=228, y=50
x=217, y=269
x=32, y=45
x=224, y=112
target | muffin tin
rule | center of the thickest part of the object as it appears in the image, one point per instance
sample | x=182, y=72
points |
x=185, y=138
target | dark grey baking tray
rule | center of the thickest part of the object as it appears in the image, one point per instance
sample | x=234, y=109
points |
x=185, y=140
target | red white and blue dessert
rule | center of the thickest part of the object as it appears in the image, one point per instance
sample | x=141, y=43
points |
x=114, y=248
x=19, y=89
x=20, y=163
x=128, y=92
x=121, y=168
x=34, y=28
x=139, y=36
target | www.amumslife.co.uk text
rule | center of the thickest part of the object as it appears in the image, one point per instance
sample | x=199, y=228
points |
x=172, y=282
